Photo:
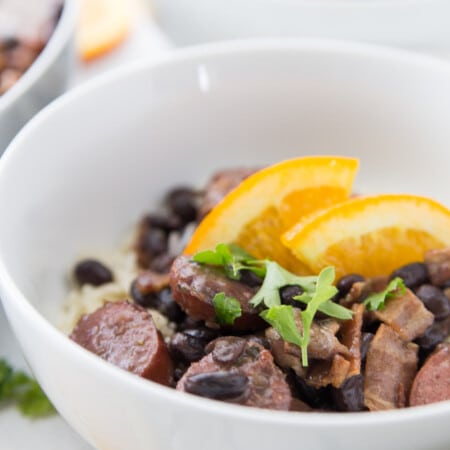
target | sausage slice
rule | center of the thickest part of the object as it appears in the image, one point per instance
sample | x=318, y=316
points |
x=432, y=382
x=124, y=334
x=238, y=371
x=194, y=287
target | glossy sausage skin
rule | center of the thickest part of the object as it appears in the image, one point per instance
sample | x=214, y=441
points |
x=266, y=385
x=124, y=334
x=194, y=287
x=432, y=382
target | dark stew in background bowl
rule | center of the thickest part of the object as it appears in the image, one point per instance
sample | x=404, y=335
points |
x=25, y=28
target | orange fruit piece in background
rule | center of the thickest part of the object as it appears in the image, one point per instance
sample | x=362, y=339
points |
x=264, y=205
x=370, y=235
x=102, y=25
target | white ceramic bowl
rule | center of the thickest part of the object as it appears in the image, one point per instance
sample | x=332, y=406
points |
x=418, y=23
x=45, y=79
x=82, y=172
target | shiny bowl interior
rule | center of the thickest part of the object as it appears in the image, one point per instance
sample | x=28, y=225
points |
x=85, y=168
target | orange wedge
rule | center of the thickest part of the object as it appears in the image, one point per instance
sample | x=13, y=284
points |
x=370, y=235
x=102, y=25
x=263, y=206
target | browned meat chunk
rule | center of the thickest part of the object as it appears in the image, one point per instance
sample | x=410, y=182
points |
x=323, y=345
x=194, y=287
x=432, y=382
x=361, y=289
x=149, y=282
x=323, y=373
x=438, y=264
x=238, y=371
x=220, y=185
x=351, y=337
x=406, y=315
x=125, y=335
x=391, y=366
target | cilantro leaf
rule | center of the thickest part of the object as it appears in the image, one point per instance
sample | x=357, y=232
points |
x=232, y=259
x=324, y=291
x=276, y=278
x=281, y=317
x=377, y=300
x=227, y=309
x=18, y=387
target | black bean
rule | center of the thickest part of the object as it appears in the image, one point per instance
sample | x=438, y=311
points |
x=316, y=398
x=163, y=222
x=350, y=395
x=435, y=334
x=227, y=349
x=179, y=371
x=202, y=333
x=161, y=263
x=366, y=339
x=91, y=271
x=186, y=348
x=189, y=323
x=413, y=274
x=345, y=283
x=183, y=203
x=155, y=241
x=288, y=292
x=168, y=307
x=434, y=300
x=217, y=385
x=250, y=278
x=146, y=300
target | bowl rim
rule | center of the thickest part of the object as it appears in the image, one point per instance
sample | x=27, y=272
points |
x=63, y=32
x=200, y=53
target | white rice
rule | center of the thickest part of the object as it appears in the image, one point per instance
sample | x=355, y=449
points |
x=88, y=298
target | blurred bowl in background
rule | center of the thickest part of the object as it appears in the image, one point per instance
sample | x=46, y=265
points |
x=410, y=23
x=44, y=80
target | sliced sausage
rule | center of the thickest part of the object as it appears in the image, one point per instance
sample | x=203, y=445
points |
x=220, y=185
x=432, y=382
x=125, y=335
x=238, y=371
x=194, y=287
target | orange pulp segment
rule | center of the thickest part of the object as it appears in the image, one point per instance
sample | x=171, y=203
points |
x=264, y=205
x=370, y=235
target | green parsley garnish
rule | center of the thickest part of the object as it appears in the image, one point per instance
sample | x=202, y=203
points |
x=17, y=387
x=232, y=259
x=227, y=309
x=323, y=293
x=377, y=300
x=317, y=293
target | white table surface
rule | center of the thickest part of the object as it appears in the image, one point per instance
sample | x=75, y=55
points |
x=17, y=432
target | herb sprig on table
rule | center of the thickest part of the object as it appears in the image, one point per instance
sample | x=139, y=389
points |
x=17, y=387
x=317, y=295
